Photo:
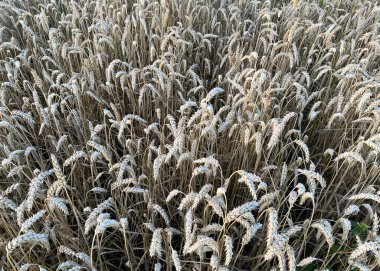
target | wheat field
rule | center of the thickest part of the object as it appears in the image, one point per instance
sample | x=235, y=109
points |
x=196, y=135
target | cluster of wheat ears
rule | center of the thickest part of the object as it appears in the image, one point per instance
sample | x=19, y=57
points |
x=189, y=135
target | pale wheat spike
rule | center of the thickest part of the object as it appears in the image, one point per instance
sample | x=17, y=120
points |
x=325, y=228
x=172, y=194
x=176, y=260
x=304, y=148
x=366, y=196
x=217, y=205
x=58, y=203
x=228, y=244
x=188, y=230
x=214, y=260
x=352, y=209
x=57, y=170
x=29, y=237
x=364, y=248
x=251, y=232
x=242, y=209
x=291, y=258
x=74, y=157
x=155, y=249
x=306, y=261
x=358, y=264
x=215, y=227
x=248, y=180
x=162, y=212
x=91, y=220
x=203, y=242
x=284, y=173
x=272, y=226
x=346, y=226
x=105, y=224
x=27, y=224
x=158, y=162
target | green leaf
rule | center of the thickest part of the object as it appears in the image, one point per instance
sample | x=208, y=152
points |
x=336, y=248
x=309, y=267
x=360, y=228
x=353, y=246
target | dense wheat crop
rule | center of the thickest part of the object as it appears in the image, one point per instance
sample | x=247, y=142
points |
x=189, y=135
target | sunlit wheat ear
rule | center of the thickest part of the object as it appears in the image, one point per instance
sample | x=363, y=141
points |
x=325, y=229
x=371, y=246
x=306, y=261
x=29, y=238
x=375, y=226
x=25, y=267
x=238, y=211
x=58, y=204
x=176, y=260
x=188, y=230
x=104, y=223
x=272, y=226
x=157, y=164
x=91, y=220
x=214, y=262
x=276, y=133
x=304, y=148
x=74, y=157
x=203, y=242
x=162, y=212
x=228, y=244
x=7, y=203
x=10, y=189
x=363, y=196
x=248, y=180
x=360, y=265
x=217, y=204
x=352, y=209
x=101, y=149
x=156, y=244
x=20, y=210
x=83, y=257
x=27, y=224
x=290, y=253
x=57, y=170
x=267, y=199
